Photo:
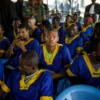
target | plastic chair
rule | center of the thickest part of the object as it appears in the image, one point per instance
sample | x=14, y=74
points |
x=79, y=92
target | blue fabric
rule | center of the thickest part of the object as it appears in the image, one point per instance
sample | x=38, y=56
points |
x=43, y=86
x=62, y=58
x=61, y=33
x=37, y=34
x=11, y=36
x=76, y=43
x=80, y=69
x=1, y=71
x=88, y=34
x=32, y=45
x=4, y=44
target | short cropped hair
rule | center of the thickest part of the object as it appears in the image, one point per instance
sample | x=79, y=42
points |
x=23, y=26
x=31, y=57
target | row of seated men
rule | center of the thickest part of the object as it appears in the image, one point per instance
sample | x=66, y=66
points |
x=39, y=57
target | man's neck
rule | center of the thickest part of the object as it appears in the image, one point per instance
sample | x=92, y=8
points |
x=51, y=49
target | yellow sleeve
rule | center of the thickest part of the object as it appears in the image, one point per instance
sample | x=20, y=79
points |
x=46, y=98
x=4, y=87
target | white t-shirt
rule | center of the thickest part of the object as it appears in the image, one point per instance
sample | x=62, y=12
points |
x=92, y=10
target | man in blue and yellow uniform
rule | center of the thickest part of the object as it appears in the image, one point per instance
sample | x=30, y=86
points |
x=87, y=32
x=21, y=44
x=35, y=31
x=86, y=68
x=73, y=41
x=28, y=82
x=54, y=57
x=14, y=33
x=4, y=43
x=61, y=30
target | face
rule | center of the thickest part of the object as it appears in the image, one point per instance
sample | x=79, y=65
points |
x=24, y=68
x=75, y=17
x=73, y=30
x=55, y=23
x=52, y=39
x=17, y=23
x=68, y=19
x=30, y=23
x=93, y=1
x=40, y=2
x=23, y=33
x=32, y=2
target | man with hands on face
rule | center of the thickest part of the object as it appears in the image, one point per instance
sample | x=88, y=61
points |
x=20, y=45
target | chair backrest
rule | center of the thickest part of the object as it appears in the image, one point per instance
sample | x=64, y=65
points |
x=79, y=92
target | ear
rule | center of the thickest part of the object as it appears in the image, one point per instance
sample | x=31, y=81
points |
x=94, y=53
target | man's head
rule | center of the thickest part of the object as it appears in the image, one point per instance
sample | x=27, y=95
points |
x=32, y=2
x=56, y=21
x=68, y=19
x=31, y=22
x=16, y=23
x=45, y=25
x=93, y=1
x=23, y=32
x=52, y=37
x=28, y=62
x=1, y=30
x=40, y=2
x=95, y=48
x=75, y=17
x=88, y=21
x=73, y=30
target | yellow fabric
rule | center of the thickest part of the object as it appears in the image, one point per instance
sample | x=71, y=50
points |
x=3, y=38
x=58, y=28
x=84, y=28
x=68, y=65
x=53, y=55
x=31, y=39
x=93, y=72
x=70, y=73
x=2, y=51
x=68, y=41
x=15, y=35
x=24, y=86
x=46, y=98
x=79, y=48
x=4, y=87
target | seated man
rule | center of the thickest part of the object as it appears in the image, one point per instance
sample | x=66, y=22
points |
x=4, y=43
x=20, y=45
x=14, y=33
x=28, y=82
x=61, y=30
x=73, y=41
x=86, y=69
x=54, y=57
x=35, y=31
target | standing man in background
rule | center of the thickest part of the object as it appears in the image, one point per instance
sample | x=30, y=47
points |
x=93, y=10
